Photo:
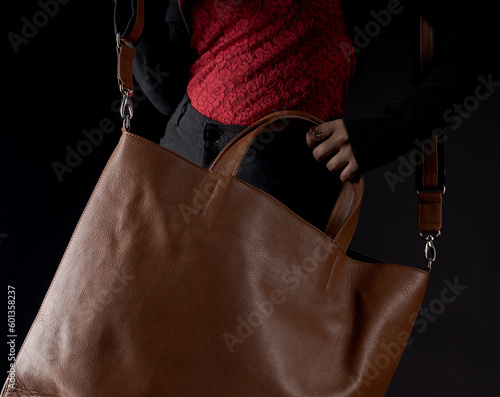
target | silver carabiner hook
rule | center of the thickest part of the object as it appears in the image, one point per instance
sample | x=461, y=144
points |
x=126, y=108
x=430, y=252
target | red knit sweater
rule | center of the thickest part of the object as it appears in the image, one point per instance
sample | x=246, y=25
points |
x=258, y=56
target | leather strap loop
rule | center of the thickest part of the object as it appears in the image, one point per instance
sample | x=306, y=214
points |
x=124, y=70
x=429, y=212
x=125, y=44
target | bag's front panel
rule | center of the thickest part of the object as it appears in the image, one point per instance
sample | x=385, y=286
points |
x=189, y=283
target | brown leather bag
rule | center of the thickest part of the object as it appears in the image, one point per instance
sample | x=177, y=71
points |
x=180, y=281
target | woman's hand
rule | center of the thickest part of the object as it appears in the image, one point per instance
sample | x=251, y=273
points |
x=333, y=138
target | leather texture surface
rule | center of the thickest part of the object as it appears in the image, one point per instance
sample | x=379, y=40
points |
x=180, y=281
x=430, y=212
x=124, y=67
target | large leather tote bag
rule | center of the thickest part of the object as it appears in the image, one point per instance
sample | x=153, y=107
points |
x=180, y=282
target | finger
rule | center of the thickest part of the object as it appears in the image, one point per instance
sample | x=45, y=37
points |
x=312, y=138
x=328, y=147
x=349, y=172
x=337, y=161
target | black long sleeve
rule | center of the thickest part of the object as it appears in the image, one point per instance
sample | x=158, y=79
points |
x=469, y=67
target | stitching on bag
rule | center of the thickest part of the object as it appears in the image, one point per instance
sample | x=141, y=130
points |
x=413, y=324
x=331, y=271
x=7, y=391
x=32, y=393
x=210, y=198
x=131, y=135
x=351, y=206
x=401, y=267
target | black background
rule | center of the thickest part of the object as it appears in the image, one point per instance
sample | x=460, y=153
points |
x=64, y=81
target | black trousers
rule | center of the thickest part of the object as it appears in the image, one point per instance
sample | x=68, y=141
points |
x=279, y=162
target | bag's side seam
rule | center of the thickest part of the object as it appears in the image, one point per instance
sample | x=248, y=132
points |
x=210, y=198
x=331, y=272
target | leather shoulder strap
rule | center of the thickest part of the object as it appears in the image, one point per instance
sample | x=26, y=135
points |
x=430, y=177
x=129, y=19
x=129, y=23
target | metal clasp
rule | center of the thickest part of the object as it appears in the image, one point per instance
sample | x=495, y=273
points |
x=118, y=40
x=430, y=252
x=443, y=191
x=126, y=107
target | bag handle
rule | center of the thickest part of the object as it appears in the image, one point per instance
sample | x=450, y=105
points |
x=345, y=214
x=229, y=159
